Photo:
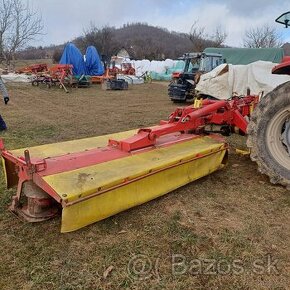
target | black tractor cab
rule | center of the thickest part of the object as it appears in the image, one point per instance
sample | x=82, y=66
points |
x=182, y=86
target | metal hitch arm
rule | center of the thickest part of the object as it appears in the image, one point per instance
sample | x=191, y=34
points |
x=191, y=119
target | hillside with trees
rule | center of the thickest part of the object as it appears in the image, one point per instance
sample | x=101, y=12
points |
x=145, y=41
x=139, y=39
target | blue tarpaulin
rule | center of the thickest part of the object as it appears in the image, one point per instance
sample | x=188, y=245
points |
x=94, y=65
x=72, y=55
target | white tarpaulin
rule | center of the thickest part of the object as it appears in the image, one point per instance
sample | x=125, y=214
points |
x=16, y=78
x=161, y=67
x=227, y=79
x=158, y=69
x=131, y=79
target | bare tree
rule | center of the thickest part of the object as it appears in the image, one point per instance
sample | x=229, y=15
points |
x=19, y=24
x=198, y=37
x=101, y=38
x=262, y=37
x=219, y=37
x=5, y=22
x=201, y=40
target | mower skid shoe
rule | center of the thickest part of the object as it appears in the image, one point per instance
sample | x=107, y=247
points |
x=92, y=181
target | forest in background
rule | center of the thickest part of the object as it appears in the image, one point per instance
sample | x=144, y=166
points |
x=139, y=39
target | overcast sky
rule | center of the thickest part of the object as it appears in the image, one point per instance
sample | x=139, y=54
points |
x=65, y=19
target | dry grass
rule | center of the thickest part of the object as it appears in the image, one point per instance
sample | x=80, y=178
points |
x=232, y=214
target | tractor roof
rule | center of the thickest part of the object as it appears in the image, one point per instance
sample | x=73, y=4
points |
x=191, y=55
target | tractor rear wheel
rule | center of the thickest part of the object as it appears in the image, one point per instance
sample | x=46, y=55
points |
x=269, y=135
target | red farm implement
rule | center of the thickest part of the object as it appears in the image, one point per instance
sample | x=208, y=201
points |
x=58, y=75
x=33, y=69
x=125, y=69
x=93, y=178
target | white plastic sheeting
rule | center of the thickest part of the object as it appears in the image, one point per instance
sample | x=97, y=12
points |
x=141, y=66
x=130, y=79
x=226, y=79
x=16, y=78
x=159, y=70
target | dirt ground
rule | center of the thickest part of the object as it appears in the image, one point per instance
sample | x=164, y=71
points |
x=229, y=230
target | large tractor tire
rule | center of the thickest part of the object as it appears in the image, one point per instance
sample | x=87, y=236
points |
x=269, y=135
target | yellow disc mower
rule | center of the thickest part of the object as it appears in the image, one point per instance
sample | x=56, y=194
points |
x=90, y=179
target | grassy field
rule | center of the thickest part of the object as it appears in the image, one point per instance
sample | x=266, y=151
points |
x=229, y=230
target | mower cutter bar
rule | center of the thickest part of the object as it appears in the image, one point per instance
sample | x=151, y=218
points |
x=94, y=178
